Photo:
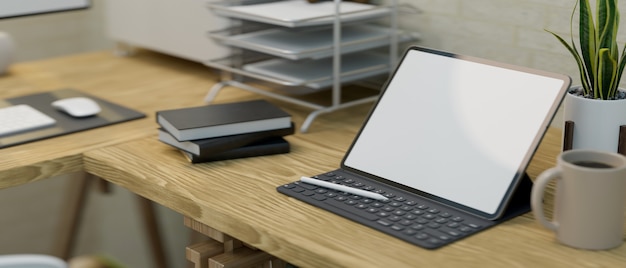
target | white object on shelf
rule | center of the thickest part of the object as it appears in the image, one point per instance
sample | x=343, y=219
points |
x=341, y=61
x=312, y=43
x=317, y=74
x=297, y=13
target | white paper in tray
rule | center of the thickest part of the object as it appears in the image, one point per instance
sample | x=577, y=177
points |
x=298, y=10
x=320, y=71
x=315, y=44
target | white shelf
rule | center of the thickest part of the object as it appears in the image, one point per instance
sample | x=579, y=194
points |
x=298, y=13
x=318, y=73
x=313, y=43
x=310, y=45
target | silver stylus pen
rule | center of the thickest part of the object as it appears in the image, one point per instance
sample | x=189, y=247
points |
x=343, y=188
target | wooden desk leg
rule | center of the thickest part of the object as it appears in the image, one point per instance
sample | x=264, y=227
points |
x=200, y=253
x=152, y=231
x=236, y=254
x=71, y=214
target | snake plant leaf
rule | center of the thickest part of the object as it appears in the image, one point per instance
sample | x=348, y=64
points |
x=606, y=74
x=579, y=62
x=599, y=62
x=620, y=71
x=607, y=27
x=587, y=38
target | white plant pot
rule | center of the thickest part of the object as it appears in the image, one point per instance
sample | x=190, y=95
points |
x=7, y=48
x=596, y=122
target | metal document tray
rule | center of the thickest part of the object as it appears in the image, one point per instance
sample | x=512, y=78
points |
x=298, y=13
x=318, y=73
x=313, y=43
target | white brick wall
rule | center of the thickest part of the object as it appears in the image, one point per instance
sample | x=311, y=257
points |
x=510, y=31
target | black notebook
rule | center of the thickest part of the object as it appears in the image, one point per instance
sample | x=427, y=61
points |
x=219, y=144
x=269, y=146
x=448, y=142
x=223, y=119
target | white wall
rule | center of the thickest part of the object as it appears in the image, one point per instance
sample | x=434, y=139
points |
x=511, y=31
x=57, y=34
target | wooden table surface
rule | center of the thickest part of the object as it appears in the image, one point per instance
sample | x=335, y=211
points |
x=238, y=197
x=147, y=82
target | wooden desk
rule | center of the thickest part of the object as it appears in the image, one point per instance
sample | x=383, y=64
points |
x=146, y=82
x=238, y=197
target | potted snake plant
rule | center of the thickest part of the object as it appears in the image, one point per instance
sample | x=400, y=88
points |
x=598, y=106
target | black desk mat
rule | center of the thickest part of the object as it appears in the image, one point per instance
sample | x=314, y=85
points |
x=110, y=113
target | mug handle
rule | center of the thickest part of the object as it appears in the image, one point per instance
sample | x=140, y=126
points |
x=536, y=197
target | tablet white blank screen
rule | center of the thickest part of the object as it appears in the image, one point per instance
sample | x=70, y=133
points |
x=456, y=129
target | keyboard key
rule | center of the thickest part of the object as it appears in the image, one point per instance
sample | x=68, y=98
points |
x=433, y=211
x=297, y=189
x=429, y=216
x=20, y=118
x=351, y=209
x=319, y=197
x=406, y=222
x=410, y=232
x=410, y=216
x=413, y=220
x=307, y=186
x=384, y=222
x=421, y=236
x=383, y=214
x=395, y=204
x=399, y=212
x=308, y=193
x=434, y=225
x=341, y=198
x=465, y=229
x=397, y=227
x=453, y=233
x=441, y=220
x=417, y=227
x=454, y=225
x=372, y=210
x=473, y=225
x=394, y=218
x=410, y=203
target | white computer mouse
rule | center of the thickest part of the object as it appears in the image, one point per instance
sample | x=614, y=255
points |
x=77, y=106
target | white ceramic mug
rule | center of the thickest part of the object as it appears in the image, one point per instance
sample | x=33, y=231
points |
x=589, y=201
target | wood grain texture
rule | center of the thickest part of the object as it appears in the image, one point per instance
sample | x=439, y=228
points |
x=239, y=197
x=122, y=80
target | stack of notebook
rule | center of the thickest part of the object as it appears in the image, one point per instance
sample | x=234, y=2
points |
x=226, y=131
